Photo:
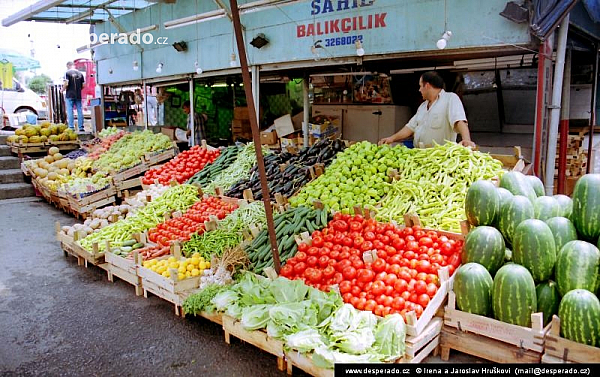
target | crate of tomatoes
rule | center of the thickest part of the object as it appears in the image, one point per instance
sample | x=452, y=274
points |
x=180, y=227
x=380, y=267
x=182, y=167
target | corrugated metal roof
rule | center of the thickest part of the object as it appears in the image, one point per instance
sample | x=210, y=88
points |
x=76, y=11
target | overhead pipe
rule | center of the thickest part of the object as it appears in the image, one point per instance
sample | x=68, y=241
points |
x=564, y=124
x=555, y=105
x=305, y=95
x=590, y=155
x=543, y=76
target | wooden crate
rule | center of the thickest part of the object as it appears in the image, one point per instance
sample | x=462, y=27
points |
x=489, y=338
x=257, y=338
x=417, y=349
x=121, y=186
x=155, y=158
x=83, y=206
x=24, y=148
x=124, y=269
x=509, y=161
x=561, y=350
x=131, y=172
x=71, y=246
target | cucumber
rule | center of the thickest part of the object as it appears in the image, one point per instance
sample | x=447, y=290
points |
x=126, y=249
x=323, y=218
x=311, y=228
x=300, y=224
x=129, y=243
x=264, y=251
x=137, y=246
x=289, y=243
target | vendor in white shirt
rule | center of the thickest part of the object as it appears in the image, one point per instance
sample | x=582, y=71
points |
x=440, y=117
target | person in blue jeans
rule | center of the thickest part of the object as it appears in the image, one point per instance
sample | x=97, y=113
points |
x=72, y=85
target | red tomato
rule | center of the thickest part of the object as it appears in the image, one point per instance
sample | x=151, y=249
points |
x=390, y=279
x=342, y=265
x=301, y=256
x=365, y=275
x=420, y=287
x=286, y=271
x=312, y=261
x=431, y=289
x=299, y=267
x=349, y=272
x=347, y=297
x=398, y=303
x=379, y=265
x=323, y=261
x=345, y=287
x=378, y=287
x=370, y=305
x=329, y=272
x=310, y=250
x=338, y=278
x=355, y=290
x=446, y=248
x=317, y=241
x=400, y=285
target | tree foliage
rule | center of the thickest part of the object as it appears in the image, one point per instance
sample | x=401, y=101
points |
x=38, y=83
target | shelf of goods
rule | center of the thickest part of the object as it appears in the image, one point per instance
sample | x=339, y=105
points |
x=71, y=247
x=82, y=205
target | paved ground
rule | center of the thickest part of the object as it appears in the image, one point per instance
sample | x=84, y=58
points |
x=61, y=319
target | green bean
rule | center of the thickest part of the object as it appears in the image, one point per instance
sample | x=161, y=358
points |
x=433, y=183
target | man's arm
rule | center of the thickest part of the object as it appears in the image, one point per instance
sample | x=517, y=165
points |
x=463, y=129
x=404, y=133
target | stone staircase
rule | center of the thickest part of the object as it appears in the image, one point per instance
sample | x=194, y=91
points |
x=12, y=181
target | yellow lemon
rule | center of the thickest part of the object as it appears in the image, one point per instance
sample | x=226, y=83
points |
x=195, y=261
x=188, y=274
x=181, y=270
x=147, y=264
x=196, y=255
x=207, y=264
x=172, y=259
x=161, y=269
x=190, y=267
x=195, y=272
x=184, y=263
x=173, y=265
x=180, y=276
x=202, y=265
x=166, y=274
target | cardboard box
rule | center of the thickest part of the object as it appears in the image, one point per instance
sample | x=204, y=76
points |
x=240, y=125
x=169, y=131
x=269, y=137
x=289, y=142
x=284, y=126
x=241, y=113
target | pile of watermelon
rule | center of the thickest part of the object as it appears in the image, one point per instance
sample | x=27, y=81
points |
x=530, y=253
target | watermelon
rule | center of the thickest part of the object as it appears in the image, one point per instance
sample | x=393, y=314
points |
x=566, y=205
x=579, y=313
x=473, y=289
x=482, y=203
x=534, y=248
x=513, y=295
x=519, y=208
x=586, y=207
x=545, y=207
x=484, y=245
x=563, y=231
x=518, y=184
x=548, y=299
x=577, y=267
x=505, y=197
x=537, y=185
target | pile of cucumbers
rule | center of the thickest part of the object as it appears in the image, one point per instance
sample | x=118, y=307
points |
x=210, y=171
x=287, y=224
x=126, y=248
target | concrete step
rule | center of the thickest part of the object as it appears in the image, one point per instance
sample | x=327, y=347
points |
x=3, y=139
x=9, y=162
x=11, y=176
x=4, y=150
x=16, y=190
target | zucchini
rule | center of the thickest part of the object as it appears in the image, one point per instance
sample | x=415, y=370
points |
x=323, y=218
x=129, y=243
x=126, y=249
x=137, y=246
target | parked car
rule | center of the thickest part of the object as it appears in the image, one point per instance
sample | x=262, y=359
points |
x=17, y=99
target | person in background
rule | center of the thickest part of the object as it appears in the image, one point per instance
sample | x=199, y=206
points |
x=440, y=117
x=72, y=85
x=198, y=124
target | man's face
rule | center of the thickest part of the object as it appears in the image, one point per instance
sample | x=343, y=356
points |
x=186, y=109
x=423, y=88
